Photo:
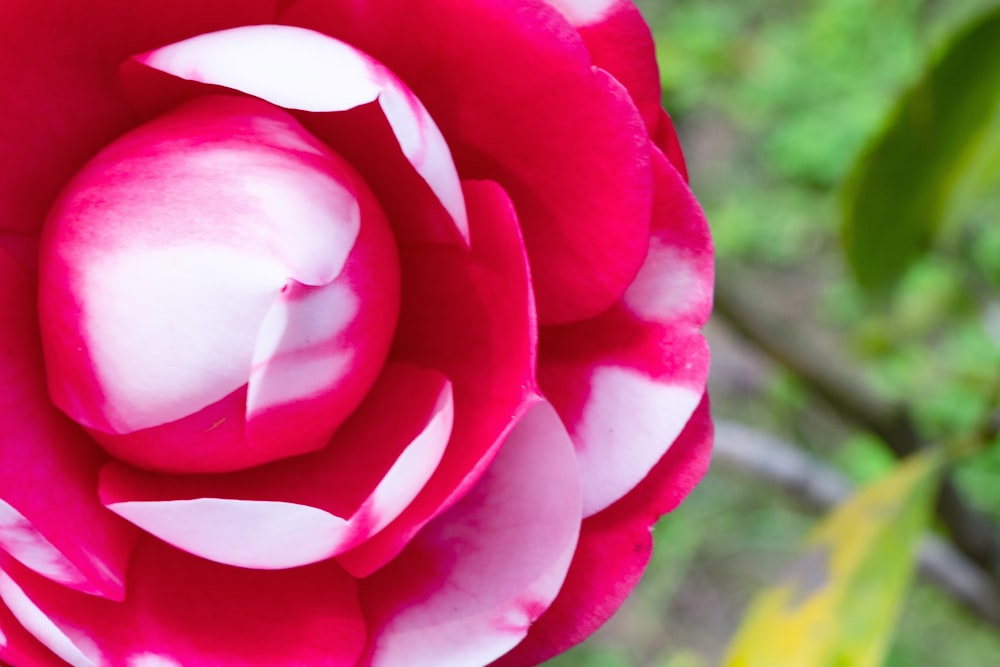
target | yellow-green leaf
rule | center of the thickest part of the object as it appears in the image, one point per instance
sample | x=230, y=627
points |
x=942, y=136
x=837, y=606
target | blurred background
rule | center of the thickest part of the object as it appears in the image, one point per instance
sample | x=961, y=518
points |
x=775, y=100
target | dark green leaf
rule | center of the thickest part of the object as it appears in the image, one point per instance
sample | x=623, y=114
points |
x=942, y=135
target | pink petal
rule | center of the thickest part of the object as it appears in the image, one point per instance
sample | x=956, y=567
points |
x=50, y=517
x=626, y=382
x=467, y=589
x=19, y=647
x=614, y=548
x=325, y=344
x=666, y=140
x=512, y=86
x=68, y=103
x=169, y=310
x=306, y=509
x=619, y=41
x=155, y=264
x=471, y=315
x=301, y=69
x=185, y=611
x=674, y=284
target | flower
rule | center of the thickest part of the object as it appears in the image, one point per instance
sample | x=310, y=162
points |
x=337, y=333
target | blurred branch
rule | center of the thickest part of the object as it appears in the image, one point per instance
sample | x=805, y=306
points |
x=822, y=488
x=844, y=388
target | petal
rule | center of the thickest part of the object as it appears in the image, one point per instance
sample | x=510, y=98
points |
x=473, y=581
x=470, y=315
x=320, y=349
x=19, y=647
x=68, y=102
x=513, y=88
x=302, y=510
x=50, y=517
x=619, y=41
x=674, y=284
x=614, y=548
x=163, y=301
x=667, y=141
x=626, y=382
x=301, y=69
x=186, y=611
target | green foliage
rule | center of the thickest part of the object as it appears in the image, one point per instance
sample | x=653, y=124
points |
x=942, y=134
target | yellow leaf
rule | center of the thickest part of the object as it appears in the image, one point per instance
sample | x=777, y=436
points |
x=837, y=606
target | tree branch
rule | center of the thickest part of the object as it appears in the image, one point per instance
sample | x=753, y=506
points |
x=822, y=488
x=844, y=388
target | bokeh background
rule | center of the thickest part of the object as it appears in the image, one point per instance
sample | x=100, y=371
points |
x=774, y=101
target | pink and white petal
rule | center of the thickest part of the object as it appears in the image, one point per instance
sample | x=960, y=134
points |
x=644, y=358
x=186, y=611
x=302, y=510
x=320, y=349
x=614, y=549
x=68, y=102
x=469, y=586
x=619, y=41
x=674, y=284
x=512, y=86
x=118, y=278
x=47, y=462
x=471, y=315
x=306, y=70
x=19, y=647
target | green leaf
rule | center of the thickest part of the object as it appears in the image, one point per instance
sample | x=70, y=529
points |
x=942, y=136
x=838, y=604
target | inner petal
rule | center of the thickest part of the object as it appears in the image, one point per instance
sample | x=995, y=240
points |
x=164, y=256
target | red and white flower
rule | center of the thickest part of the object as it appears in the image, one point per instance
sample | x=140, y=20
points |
x=337, y=332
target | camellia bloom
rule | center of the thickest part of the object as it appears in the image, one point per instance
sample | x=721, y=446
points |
x=337, y=333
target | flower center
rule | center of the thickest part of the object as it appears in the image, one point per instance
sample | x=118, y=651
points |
x=218, y=289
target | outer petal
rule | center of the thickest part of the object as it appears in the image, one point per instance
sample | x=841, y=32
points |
x=619, y=41
x=301, y=69
x=512, y=86
x=186, y=611
x=614, y=549
x=47, y=462
x=471, y=315
x=305, y=509
x=68, y=102
x=471, y=584
x=645, y=357
x=666, y=140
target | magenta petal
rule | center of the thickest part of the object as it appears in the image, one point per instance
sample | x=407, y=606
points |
x=645, y=357
x=186, y=611
x=306, y=70
x=619, y=41
x=19, y=647
x=469, y=586
x=47, y=462
x=68, y=102
x=667, y=141
x=471, y=315
x=614, y=548
x=302, y=510
x=513, y=88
